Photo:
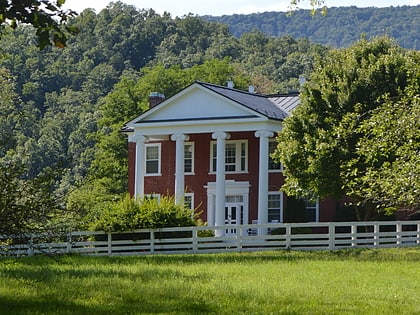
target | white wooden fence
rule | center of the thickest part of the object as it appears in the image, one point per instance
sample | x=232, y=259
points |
x=239, y=238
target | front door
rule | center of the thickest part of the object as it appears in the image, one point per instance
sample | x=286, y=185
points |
x=233, y=216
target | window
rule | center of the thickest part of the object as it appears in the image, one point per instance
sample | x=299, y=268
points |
x=273, y=165
x=236, y=157
x=189, y=157
x=153, y=159
x=312, y=210
x=152, y=196
x=275, y=207
x=189, y=201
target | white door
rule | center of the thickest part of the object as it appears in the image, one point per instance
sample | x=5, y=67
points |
x=233, y=216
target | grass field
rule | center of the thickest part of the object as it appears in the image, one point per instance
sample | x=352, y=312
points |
x=281, y=282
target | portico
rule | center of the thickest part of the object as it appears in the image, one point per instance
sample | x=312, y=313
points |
x=221, y=190
x=228, y=131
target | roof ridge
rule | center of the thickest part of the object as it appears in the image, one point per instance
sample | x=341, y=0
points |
x=292, y=93
x=231, y=89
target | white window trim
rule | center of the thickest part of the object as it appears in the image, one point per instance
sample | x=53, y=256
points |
x=316, y=210
x=280, y=170
x=192, y=157
x=280, y=193
x=238, y=156
x=152, y=196
x=159, y=145
x=192, y=199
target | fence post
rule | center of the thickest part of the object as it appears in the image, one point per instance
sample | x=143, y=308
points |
x=109, y=244
x=353, y=235
x=239, y=233
x=288, y=236
x=398, y=229
x=418, y=233
x=31, y=246
x=376, y=234
x=195, y=241
x=152, y=241
x=331, y=236
x=68, y=248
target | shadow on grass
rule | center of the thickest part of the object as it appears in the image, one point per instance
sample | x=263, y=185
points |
x=77, y=284
x=41, y=269
x=391, y=254
x=12, y=306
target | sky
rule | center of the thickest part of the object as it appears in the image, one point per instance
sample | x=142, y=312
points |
x=227, y=7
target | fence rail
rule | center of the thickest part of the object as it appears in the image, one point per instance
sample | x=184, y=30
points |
x=238, y=238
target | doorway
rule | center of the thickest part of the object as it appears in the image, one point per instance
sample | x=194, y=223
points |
x=234, y=213
x=236, y=203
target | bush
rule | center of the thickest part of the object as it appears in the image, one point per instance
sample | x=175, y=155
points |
x=130, y=214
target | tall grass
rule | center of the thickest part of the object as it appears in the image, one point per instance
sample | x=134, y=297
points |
x=282, y=282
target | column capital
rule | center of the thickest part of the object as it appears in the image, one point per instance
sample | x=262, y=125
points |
x=220, y=135
x=140, y=138
x=180, y=137
x=264, y=133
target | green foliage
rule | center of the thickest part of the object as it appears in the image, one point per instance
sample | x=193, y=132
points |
x=295, y=210
x=340, y=141
x=389, y=150
x=194, y=40
x=8, y=112
x=26, y=205
x=280, y=59
x=88, y=200
x=45, y=16
x=130, y=214
x=339, y=27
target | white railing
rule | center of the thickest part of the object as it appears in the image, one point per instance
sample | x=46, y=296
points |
x=192, y=240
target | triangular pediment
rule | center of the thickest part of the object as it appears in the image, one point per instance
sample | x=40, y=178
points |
x=195, y=103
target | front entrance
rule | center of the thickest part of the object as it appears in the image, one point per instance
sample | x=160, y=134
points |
x=236, y=205
x=234, y=212
x=234, y=215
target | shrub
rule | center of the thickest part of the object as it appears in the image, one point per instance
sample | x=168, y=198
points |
x=130, y=214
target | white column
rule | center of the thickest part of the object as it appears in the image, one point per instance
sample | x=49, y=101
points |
x=140, y=166
x=180, y=138
x=210, y=209
x=263, y=178
x=220, y=179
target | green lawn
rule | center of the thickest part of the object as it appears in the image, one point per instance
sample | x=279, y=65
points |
x=281, y=282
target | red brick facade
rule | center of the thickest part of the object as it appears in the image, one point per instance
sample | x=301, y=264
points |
x=195, y=183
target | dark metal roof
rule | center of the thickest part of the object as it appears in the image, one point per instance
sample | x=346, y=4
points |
x=276, y=106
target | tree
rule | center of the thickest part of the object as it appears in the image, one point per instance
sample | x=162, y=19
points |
x=26, y=205
x=389, y=149
x=354, y=101
x=8, y=112
x=46, y=16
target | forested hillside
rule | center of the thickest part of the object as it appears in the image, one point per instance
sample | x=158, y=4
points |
x=341, y=27
x=61, y=109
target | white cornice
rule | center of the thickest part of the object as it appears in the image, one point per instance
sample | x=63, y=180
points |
x=208, y=127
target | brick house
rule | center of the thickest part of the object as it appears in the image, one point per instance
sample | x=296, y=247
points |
x=209, y=146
